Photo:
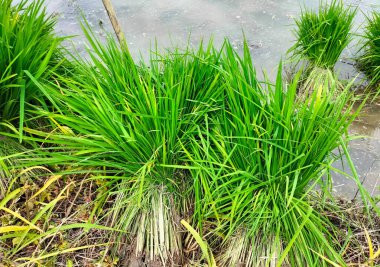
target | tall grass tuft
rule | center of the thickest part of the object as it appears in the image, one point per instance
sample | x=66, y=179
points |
x=28, y=43
x=256, y=165
x=126, y=124
x=321, y=36
x=369, y=61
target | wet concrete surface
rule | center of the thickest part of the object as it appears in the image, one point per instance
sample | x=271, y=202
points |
x=267, y=25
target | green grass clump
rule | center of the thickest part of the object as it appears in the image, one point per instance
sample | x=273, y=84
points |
x=194, y=134
x=255, y=166
x=369, y=61
x=321, y=36
x=126, y=124
x=27, y=42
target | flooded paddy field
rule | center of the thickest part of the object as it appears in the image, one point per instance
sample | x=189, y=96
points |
x=267, y=25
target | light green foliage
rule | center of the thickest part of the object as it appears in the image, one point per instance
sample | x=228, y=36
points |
x=369, y=62
x=127, y=124
x=255, y=164
x=322, y=36
x=27, y=42
x=197, y=128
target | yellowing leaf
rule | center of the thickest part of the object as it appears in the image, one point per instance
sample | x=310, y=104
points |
x=7, y=229
x=47, y=184
x=377, y=254
x=16, y=241
x=32, y=169
x=370, y=246
x=18, y=216
x=202, y=244
x=64, y=129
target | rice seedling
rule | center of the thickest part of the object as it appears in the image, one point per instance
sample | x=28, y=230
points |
x=27, y=42
x=126, y=124
x=369, y=61
x=322, y=36
x=255, y=166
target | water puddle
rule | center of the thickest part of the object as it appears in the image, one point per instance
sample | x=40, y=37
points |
x=364, y=153
x=267, y=25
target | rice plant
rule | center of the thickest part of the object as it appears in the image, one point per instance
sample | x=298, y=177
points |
x=126, y=124
x=369, y=61
x=322, y=36
x=27, y=42
x=256, y=164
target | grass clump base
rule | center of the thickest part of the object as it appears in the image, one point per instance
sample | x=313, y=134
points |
x=321, y=81
x=153, y=236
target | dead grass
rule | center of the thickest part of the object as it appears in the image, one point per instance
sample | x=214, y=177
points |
x=77, y=206
x=353, y=222
x=77, y=195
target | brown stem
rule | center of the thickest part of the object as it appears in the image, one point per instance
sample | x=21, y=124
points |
x=115, y=23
